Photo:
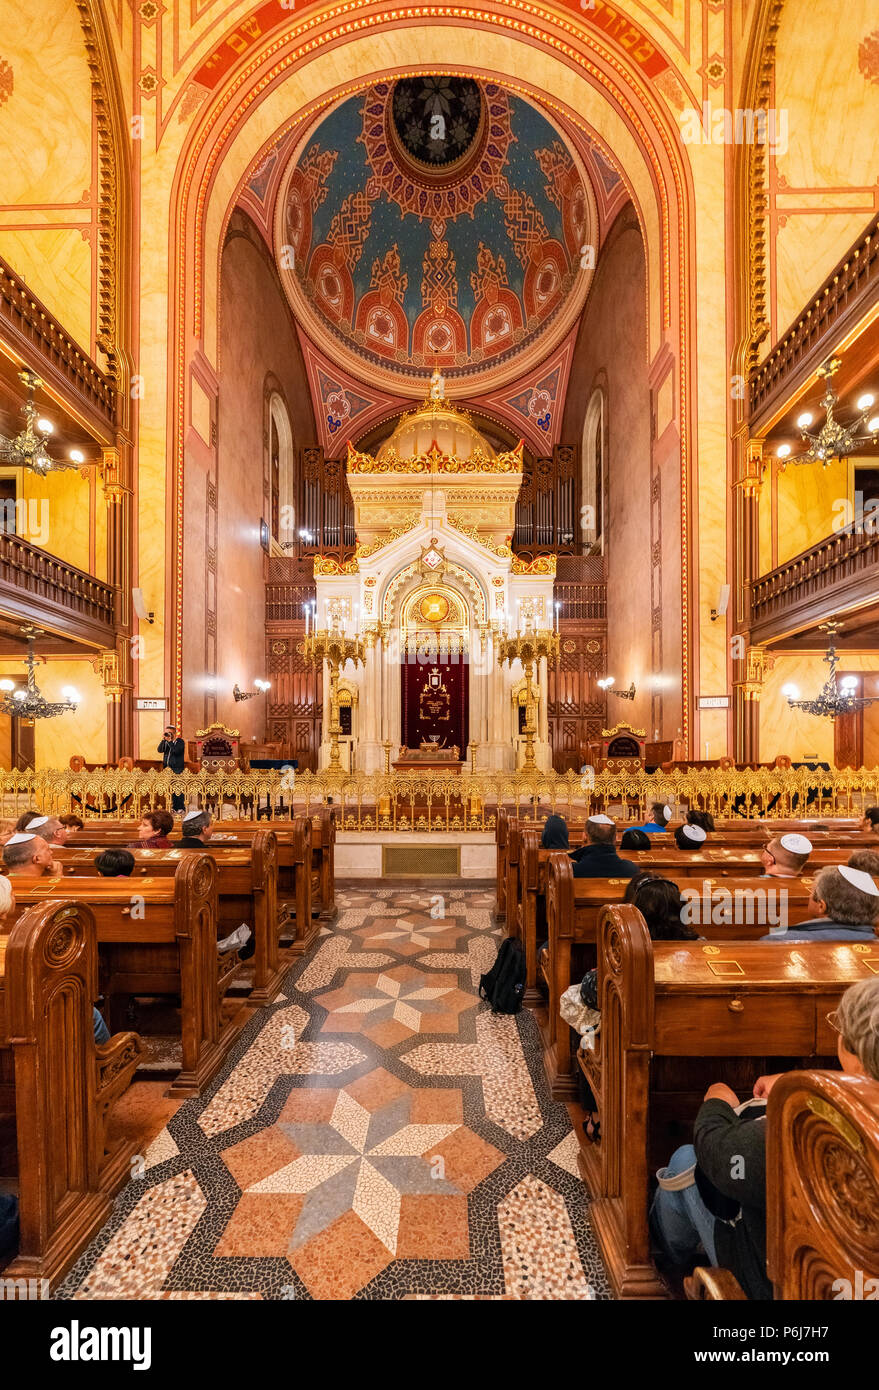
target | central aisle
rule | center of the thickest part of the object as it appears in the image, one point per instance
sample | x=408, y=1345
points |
x=375, y=1133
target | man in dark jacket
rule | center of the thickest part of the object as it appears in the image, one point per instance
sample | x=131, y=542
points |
x=196, y=830
x=173, y=751
x=599, y=859
x=730, y=1151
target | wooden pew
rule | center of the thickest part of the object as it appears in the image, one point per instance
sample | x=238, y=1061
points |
x=664, y=1007
x=164, y=943
x=822, y=1145
x=573, y=910
x=247, y=891
x=58, y=1086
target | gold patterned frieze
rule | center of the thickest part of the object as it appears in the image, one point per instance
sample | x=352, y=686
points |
x=543, y=564
x=363, y=552
x=324, y=565
x=436, y=462
x=502, y=551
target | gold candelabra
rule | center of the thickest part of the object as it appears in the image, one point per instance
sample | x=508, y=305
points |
x=528, y=645
x=333, y=646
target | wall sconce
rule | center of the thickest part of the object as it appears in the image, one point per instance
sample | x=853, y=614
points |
x=607, y=683
x=261, y=688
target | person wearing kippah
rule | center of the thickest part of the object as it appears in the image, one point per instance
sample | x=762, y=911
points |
x=196, y=829
x=691, y=837
x=845, y=902
x=27, y=855
x=660, y=817
x=785, y=857
x=598, y=858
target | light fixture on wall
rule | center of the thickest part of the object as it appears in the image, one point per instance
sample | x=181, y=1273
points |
x=261, y=688
x=29, y=447
x=26, y=702
x=833, y=440
x=834, y=698
x=607, y=686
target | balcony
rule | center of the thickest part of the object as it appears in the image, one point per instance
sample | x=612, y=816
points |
x=39, y=588
x=839, y=573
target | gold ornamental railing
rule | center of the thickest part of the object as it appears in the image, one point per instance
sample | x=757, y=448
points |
x=440, y=801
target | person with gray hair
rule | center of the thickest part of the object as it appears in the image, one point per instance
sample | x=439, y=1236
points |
x=197, y=829
x=730, y=1150
x=28, y=855
x=845, y=902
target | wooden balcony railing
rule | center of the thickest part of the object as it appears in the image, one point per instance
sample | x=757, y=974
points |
x=845, y=297
x=38, y=587
x=834, y=574
x=56, y=354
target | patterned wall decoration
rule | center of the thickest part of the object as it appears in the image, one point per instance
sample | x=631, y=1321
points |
x=435, y=221
x=536, y=404
x=343, y=407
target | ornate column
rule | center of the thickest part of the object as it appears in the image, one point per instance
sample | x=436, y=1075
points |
x=115, y=470
x=746, y=568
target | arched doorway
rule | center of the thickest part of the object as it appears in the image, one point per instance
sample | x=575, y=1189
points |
x=435, y=669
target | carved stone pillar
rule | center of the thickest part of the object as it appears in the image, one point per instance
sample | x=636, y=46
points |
x=115, y=471
x=754, y=664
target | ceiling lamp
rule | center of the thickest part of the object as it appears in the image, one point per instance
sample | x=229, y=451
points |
x=26, y=702
x=833, y=699
x=29, y=447
x=833, y=440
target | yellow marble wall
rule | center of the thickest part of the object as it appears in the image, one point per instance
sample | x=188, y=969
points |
x=83, y=731
x=47, y=188
x=823, y=189
x=809, y=505
x=67, y=515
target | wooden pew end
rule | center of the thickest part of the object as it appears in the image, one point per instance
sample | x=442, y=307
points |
x=714, y=1284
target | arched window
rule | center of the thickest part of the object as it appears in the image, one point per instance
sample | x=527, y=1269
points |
x=592, y=456
x=282, y=484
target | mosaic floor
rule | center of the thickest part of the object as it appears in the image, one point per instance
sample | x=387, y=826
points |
x=376, y=1133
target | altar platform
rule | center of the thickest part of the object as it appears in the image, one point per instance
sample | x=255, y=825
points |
x=367, y=856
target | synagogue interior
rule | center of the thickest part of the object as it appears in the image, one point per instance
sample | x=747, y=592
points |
x=439, y=656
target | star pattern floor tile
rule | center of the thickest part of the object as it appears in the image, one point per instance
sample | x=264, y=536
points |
x=376, y=1133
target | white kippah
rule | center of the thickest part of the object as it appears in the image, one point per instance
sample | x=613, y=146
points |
x=601, y=820
x=694, y=833
x=5, y=895
x=796, y=844
x=20, y=838
x=190, y=815
x=858, y=879
x=38, y=820
x=666, y=811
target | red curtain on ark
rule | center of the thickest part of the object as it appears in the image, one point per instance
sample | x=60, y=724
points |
x=436, y=701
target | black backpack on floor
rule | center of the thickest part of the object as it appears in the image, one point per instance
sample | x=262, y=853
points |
x=504, y=983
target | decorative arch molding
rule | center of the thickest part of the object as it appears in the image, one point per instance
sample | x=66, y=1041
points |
x=552, y=59
x=391, y=609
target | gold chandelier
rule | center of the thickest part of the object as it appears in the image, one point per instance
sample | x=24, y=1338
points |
x=833, y=440
x=29, y=447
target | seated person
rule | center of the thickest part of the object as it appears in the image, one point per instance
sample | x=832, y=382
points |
x=660, y=903
x=555, y=833
x=846, y=906
x=114, y=863
x=786, y=857
x=51, y=829
x=196, y=829
x=153, y=831
x=25, y=819
x=682, y=1221
x=67, y=825
x=870, y=821
x=703, y=819
x=690, y=837
x=29, y=856
x=635, y=839
x=866, y=859
x=598, y=858
x=660, y=815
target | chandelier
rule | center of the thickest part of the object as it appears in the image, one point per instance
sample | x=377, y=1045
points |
x=832, y=699
x=27, y=702
x=833, y=440
x=29, y=447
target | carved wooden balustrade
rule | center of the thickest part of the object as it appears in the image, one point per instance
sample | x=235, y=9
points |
x=39, y=587
x=53, y=353
x=843, y=300
x=832, y=574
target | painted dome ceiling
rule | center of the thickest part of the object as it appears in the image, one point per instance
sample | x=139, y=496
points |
x=435, y=221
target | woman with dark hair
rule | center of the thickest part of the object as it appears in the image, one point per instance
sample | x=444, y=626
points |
x=153, y=831
x=660, y=903
x=115, y=863
x=635, y=839
x=555, y=833
x=703, y=819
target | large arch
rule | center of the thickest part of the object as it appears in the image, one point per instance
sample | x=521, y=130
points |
x=545, y=56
